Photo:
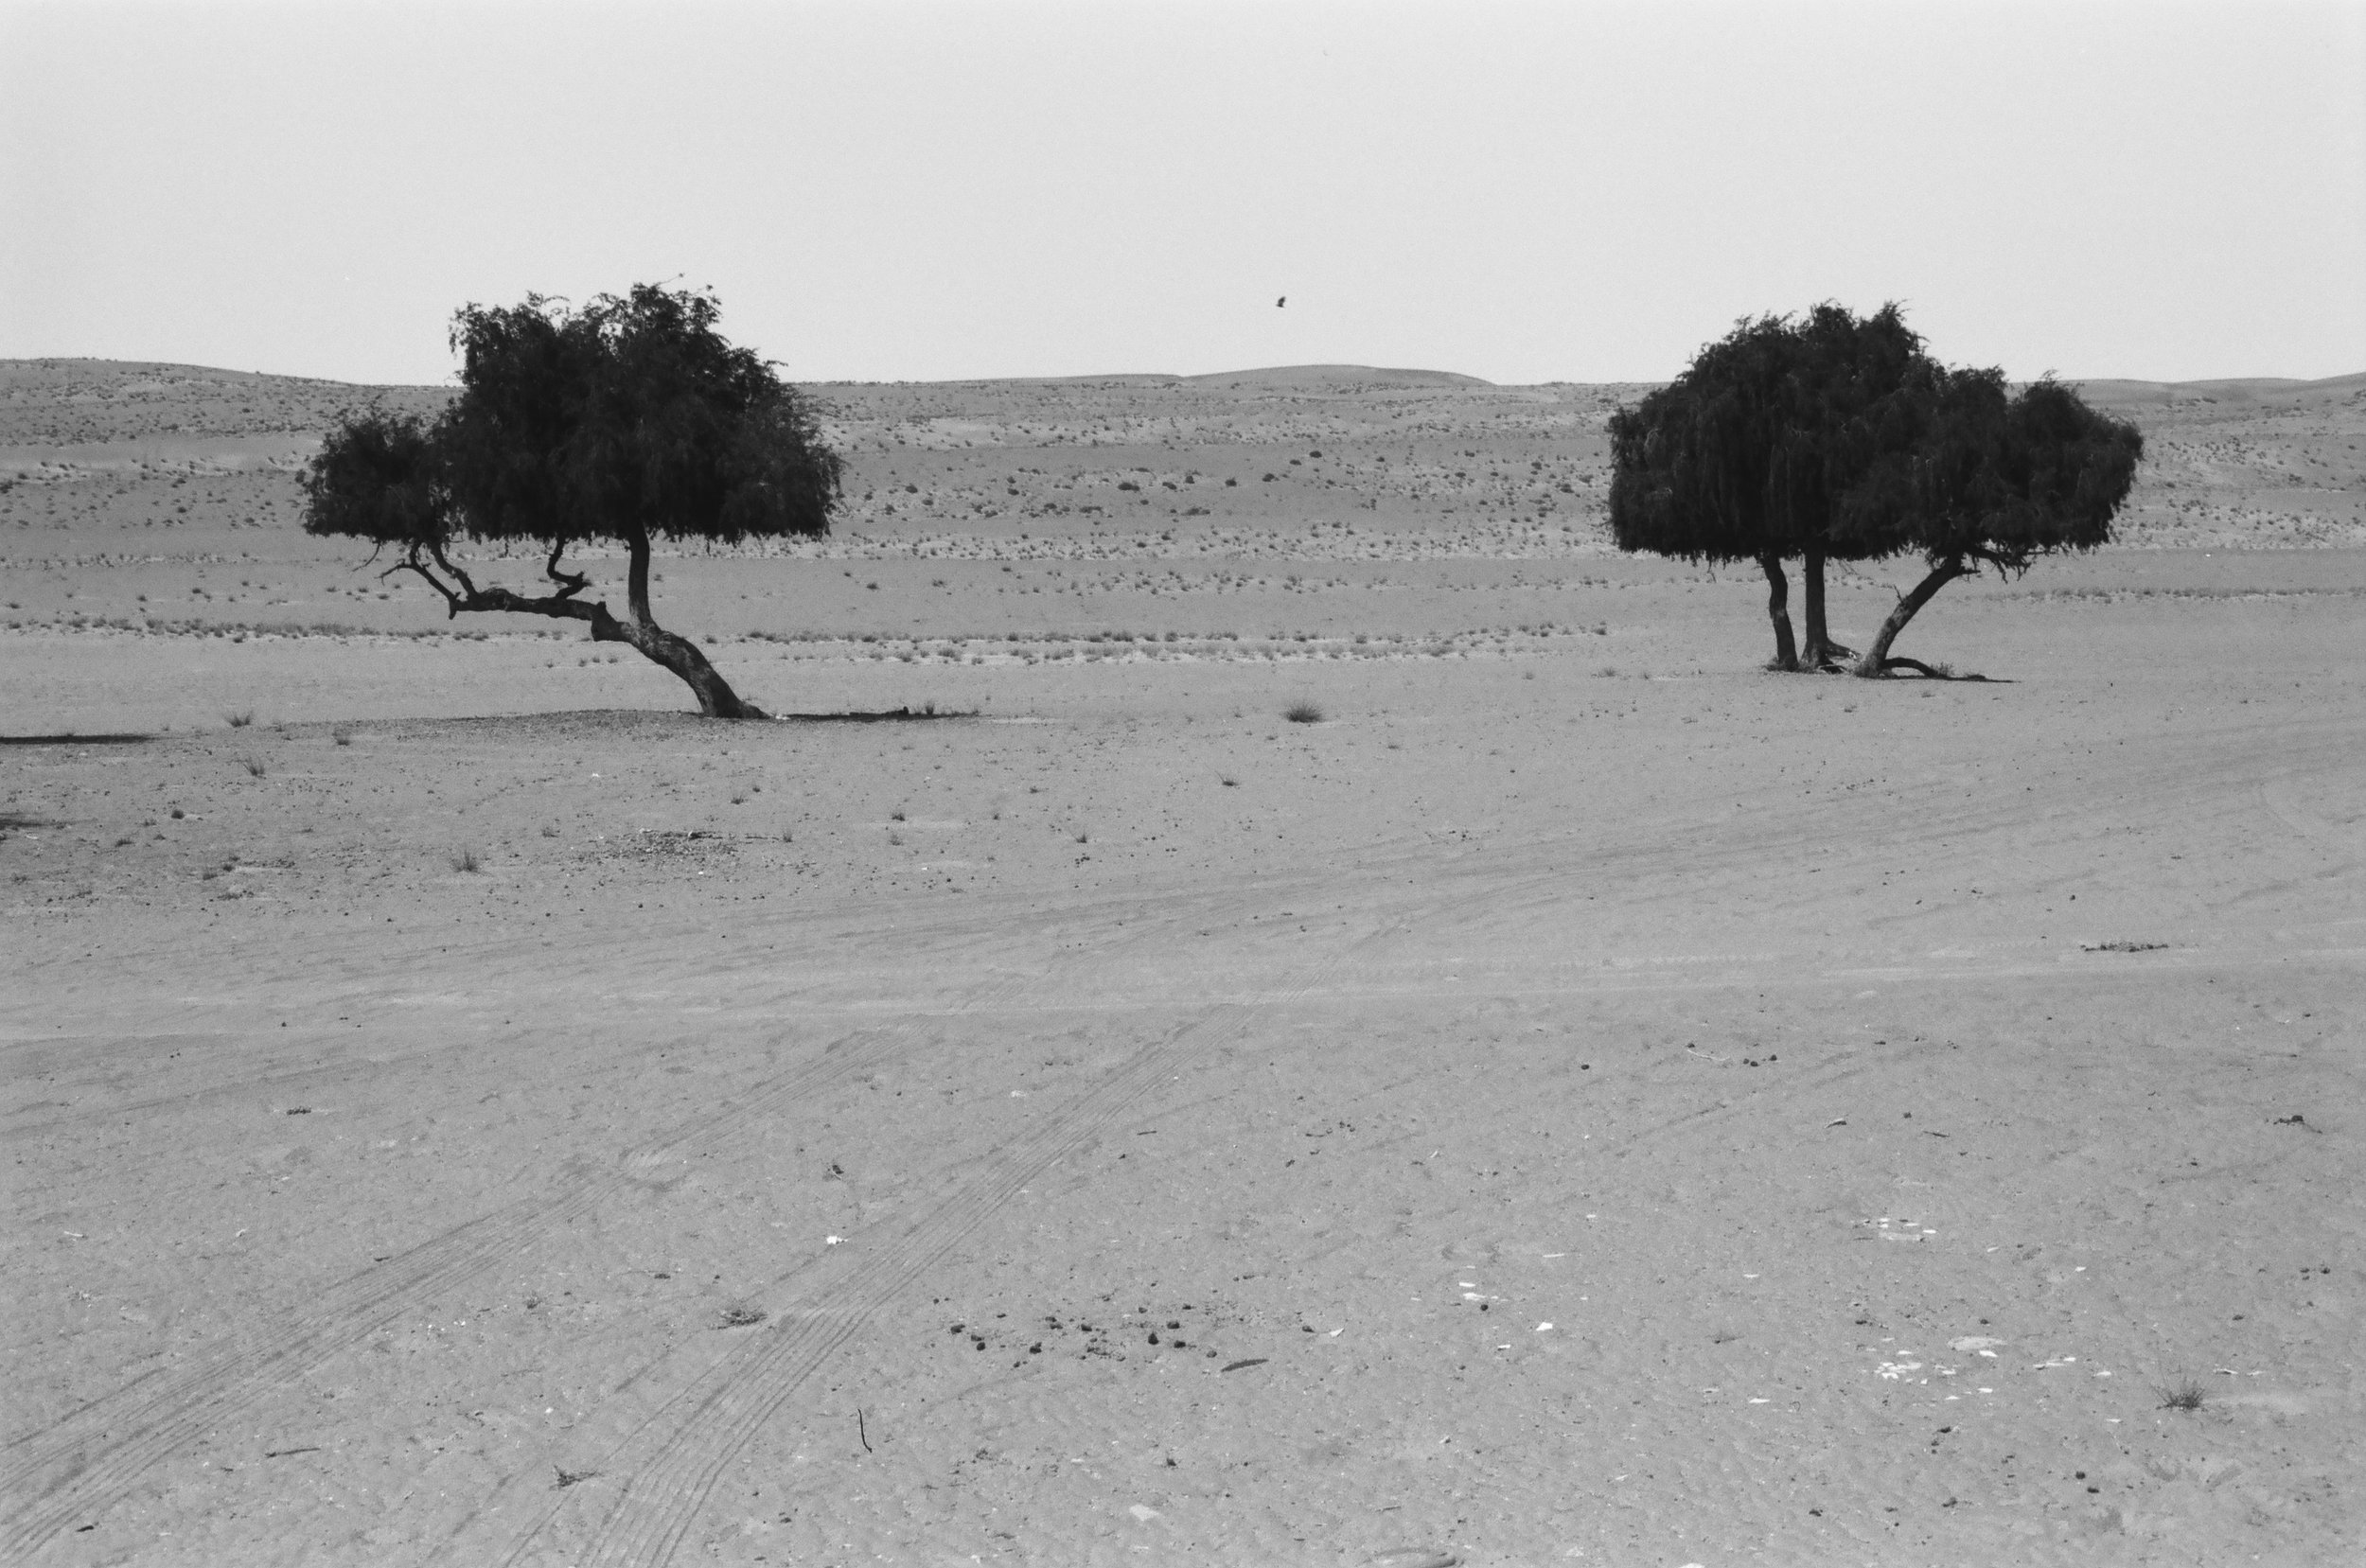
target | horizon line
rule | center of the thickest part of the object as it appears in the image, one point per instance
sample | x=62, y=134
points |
x=1158, y=376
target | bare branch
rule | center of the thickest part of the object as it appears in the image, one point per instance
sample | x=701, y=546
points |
x=410, y=562
x=570, y=582
x=435, y=547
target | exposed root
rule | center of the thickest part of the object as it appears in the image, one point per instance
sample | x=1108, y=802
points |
x=1929, y=672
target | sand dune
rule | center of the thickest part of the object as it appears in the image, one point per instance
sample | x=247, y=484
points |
x=1340, y=376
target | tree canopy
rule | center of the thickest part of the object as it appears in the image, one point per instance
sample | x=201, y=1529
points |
x=628, y=421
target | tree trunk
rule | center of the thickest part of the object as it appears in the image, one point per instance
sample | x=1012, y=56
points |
x=1778, y=610
x=1820, y=653
x=1877, y=660
x=679, y=654
x=642, y=633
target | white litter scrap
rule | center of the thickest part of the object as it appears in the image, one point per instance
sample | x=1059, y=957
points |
x=1975, y=1344
x=1899, y=1230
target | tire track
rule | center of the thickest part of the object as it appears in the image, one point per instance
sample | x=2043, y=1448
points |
x=668, y=1467
x=2341, y=845
x=86, y=1463
x=670, y=1464
x=1663, y=859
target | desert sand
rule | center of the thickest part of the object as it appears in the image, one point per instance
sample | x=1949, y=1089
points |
x=1582, y=1099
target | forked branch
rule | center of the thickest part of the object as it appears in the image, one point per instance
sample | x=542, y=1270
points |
x=460, y=592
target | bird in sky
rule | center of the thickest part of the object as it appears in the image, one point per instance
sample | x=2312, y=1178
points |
x=1283, y=300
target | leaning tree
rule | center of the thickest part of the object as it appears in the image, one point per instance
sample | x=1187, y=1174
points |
x=1992, y=481
x=629, y=421
x=1748, y=454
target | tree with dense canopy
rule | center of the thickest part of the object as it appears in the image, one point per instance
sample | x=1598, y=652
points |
x=1746, y=455
x=1831, y=437
x=628, y=421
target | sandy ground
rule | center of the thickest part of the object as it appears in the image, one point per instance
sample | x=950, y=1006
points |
x=1582, y=1100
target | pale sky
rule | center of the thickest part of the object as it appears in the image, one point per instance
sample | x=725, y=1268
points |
x=885, y=191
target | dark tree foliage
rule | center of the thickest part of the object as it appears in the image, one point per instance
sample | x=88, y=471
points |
x=1992, y=480
x=1668, y=496
x=629, y=421
x=376, y=479
x=1748, y=454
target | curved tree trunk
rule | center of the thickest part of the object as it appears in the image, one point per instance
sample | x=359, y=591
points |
x=640, y=633
x=1779, y=611
x=1877, y=660
x=1820, y=653
x=679, y=654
